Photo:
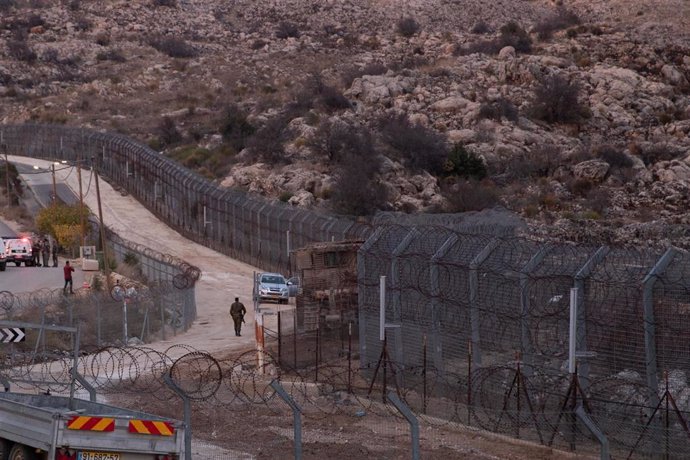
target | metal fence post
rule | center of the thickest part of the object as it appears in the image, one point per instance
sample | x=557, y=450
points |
x=187, y=414
x=296, y=414
x=412, y=420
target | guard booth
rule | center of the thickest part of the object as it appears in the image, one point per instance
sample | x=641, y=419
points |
x=89, y=259
x=328, y=284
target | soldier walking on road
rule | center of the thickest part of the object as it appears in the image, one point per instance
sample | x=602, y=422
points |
x=237, y=311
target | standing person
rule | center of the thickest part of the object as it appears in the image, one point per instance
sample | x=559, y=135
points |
x=45, y=249
x=55, y=257
x=68, y=269
x=36, y=253
x=237, y=311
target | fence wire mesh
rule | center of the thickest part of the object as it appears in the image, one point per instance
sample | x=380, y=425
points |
x=235, y=223
x=496, y=310
x=480, y=321
x=163, y=305
x=235, y=391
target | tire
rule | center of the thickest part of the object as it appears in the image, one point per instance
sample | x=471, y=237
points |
x=22, y=452
x=5, y=446
x=18, y=264
x=3, y=266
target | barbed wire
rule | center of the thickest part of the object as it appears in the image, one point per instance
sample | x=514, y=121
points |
x=501, y=399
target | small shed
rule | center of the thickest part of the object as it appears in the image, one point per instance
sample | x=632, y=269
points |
x=328, y=283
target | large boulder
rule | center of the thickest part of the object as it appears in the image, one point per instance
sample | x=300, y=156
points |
x=673, y=76
x=378, y=88
x=591, y=170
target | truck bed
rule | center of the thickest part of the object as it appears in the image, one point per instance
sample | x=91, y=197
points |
x=36, y=420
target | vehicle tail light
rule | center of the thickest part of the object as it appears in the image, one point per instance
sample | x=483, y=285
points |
x=65, y=454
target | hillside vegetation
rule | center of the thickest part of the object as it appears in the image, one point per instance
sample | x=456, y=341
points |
x=574, y=115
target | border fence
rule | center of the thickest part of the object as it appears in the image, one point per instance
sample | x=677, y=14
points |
x=486, y=321
x=232, y=222
x=162, y=302
x=477, y=325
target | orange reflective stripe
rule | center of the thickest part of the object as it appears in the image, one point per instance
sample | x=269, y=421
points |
x=85, y=423
x=151, y=427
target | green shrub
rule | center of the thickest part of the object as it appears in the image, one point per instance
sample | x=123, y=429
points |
x=358, y=190
x=465, y=164
x=481, y=28
x=561, y=19
x=590, y=215
x=556, y=100
x=614, y=157
x=285, y=196
x=6, y=5
x=173, y=47
x=499, y=109
x=471, y=195
x=339, y=141
x=419, y=147
x=287, y=29
x=407, y=27
x=168, y=133
x=514, y=35
x=111, y=55
x=659, y=152
x=235, y=128
x=21, y=51
x=267, y=142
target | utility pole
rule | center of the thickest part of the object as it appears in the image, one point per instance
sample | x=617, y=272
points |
x=81, y=205
x=106, y=265
x=54, y=184
x=7, y=176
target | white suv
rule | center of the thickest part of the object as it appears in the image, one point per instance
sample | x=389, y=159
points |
x=18, y=250
x=272, y=286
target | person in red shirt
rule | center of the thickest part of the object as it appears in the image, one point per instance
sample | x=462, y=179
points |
x=68, y=277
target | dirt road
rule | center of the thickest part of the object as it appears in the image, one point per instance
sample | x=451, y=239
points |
x=340, y=436
x=222, y=278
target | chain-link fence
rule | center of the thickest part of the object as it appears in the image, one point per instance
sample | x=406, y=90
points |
x=236, y=412
x=159, y=303
x=486, y=320
x=477, y=324
x=235, y=223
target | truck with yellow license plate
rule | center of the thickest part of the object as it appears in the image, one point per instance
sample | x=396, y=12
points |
x=46, y=427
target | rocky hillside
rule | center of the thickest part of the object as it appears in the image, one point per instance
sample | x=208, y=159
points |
x=575, y=115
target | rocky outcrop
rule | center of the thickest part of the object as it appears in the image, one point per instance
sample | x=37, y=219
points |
x=96, y=66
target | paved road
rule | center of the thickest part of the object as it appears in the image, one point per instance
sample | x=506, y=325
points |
x=5, y=230
x=222, y=277
x=40, y=182
x=26, y=279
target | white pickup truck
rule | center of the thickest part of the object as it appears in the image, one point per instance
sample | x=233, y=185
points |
x=44, y=427
x=18, y=250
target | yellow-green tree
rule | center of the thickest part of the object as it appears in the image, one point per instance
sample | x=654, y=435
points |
x=63, y=222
